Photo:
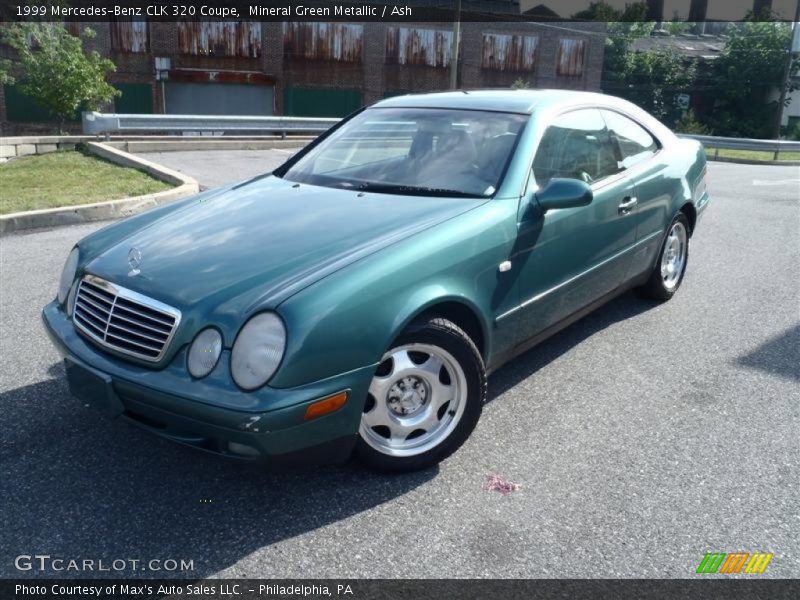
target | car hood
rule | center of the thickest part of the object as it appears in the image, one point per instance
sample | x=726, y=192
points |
x=262, y=241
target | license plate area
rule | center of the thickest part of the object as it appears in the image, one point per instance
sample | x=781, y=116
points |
x=92, y=387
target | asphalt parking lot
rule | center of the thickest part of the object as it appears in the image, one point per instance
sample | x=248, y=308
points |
x=642, y=437
x=209, y=172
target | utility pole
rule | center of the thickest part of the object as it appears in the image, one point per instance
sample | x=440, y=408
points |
x=454, y=47
x=787, y=73
x=655, y=10
x=698, y=10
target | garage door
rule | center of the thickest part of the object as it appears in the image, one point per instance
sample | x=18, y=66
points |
x=320, y=102
x=219, y=99
x=135, y=98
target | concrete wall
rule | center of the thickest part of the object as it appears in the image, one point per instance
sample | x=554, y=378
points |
x=12, y=147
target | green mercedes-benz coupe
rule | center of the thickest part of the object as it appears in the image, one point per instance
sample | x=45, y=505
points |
x=354, y=300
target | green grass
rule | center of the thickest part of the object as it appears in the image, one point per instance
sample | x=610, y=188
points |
x=753, y=154
x=66, y=179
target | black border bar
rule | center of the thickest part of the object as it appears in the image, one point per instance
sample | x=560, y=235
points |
x=368, y=11
x=701, y=588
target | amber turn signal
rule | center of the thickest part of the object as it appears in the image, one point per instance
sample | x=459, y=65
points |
x=325, y=406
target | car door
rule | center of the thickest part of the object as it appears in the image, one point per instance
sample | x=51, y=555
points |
x=570, y=257
x=639, y=157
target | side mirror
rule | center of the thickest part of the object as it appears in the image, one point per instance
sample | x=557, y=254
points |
x=564, y=193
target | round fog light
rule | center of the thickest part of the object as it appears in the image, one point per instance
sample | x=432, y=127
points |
x=204, y=352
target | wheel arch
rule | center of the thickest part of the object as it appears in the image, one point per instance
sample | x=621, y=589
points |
x=690, y=212
x=460, y=312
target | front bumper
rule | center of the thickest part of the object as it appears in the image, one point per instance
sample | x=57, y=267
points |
x=267, y=424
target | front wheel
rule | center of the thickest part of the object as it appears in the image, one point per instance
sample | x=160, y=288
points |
x=668, y=273
x=424, y=400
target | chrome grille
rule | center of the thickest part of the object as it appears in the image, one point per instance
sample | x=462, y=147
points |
x=123, y=320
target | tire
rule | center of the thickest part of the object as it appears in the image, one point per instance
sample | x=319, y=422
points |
x=425, y=399
x=670, y=266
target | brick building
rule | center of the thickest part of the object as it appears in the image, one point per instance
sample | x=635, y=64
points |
x=320, y=69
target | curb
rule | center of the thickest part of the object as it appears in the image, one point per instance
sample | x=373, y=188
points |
x=111, y=209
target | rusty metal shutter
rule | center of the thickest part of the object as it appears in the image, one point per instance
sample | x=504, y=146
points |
x=219, y=99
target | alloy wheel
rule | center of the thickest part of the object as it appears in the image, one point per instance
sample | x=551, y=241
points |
x=673, y=259
x=415, y=400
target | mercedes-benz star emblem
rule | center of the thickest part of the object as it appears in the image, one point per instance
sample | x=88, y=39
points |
x=134, y=260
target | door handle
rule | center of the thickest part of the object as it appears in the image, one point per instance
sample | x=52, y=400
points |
x=628, y=204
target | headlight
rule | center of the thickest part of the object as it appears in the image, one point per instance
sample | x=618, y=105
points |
x=67, y=275
x=258, y=350
x=204, y=352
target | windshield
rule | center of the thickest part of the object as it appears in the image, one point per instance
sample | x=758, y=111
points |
x=414, y=151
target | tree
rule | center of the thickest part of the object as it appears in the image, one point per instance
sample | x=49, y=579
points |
x=677, y=27
x=624, y=28
x=655, y=79
x=56, y=71
x=652, y=79
x=602, y=11
x=746, y=74
x=618, y=57
x=688, y=123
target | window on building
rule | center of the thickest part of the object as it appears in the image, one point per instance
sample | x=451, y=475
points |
x=571, y=57
x=337, y=42
x=413, y=46
x=509, y=52
x=129, y=36
x=220, y=38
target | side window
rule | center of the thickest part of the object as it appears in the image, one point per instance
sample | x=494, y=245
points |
x=635, y=144
x=577, y=145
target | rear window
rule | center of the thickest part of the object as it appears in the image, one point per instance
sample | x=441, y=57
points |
x=635, y=143
x=577, y=145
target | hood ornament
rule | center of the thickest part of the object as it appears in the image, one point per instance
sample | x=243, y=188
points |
x=134, y=260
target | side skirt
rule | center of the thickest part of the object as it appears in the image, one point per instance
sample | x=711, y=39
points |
x=564, y=323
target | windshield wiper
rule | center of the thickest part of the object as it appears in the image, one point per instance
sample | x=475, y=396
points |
x=410, y=190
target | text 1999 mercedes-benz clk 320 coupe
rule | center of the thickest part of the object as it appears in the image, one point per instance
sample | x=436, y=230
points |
x=355, y=299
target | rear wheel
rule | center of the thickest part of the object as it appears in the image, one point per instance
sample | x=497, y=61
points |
x=424, y=400
x=670, y=267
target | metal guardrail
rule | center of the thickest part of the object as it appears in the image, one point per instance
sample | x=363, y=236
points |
x=95, y=123
x=728, y=143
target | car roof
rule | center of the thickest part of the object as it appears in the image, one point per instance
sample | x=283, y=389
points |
x=516, y=101
x=526, y=102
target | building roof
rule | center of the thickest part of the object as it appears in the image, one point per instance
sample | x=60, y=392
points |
x=542, y=11
x=689, y=45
